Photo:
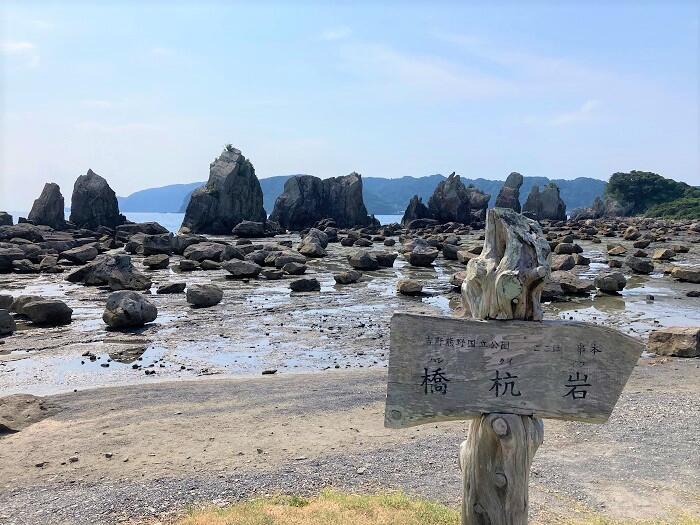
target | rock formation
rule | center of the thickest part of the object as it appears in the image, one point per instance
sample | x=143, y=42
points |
x=415, y=210
x=452, y=201
x=602, y=209
x=545, y=205
x=307, y=199
x=94, y=203
x=231, y=195
x=509, y=196
x=5, y=219
x=48, y=208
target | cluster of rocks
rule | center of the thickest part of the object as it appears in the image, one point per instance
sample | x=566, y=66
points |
x=545, y=205
x=451, y=201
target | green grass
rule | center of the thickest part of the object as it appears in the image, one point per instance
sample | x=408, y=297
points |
x=684, y=208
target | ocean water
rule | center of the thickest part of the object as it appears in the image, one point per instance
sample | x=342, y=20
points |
x=172, y=221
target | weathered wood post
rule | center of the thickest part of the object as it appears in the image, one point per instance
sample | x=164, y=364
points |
x=503, y=370
x=504, y=282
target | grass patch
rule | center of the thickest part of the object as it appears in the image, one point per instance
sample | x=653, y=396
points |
x=330, y=507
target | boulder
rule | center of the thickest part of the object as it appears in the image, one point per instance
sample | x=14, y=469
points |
x=24, y=266
x=509, y=196
x=94, y=203
x=213, y=251
x=155, y=244
x=186, y=265
x=124, y=231
x=157, y=262
x=181, y=242
x=422, y=256
x=385, y=259
x=305, y=284
x=452, y=201
x=415, y=210
x=409, y=287
x=116, y=271
x=347, y=277
x=639, y=265
x=545, y=205
x=204, y=295
x=294, y=268
x=311, y=246
x=567, y=248
x=231, y=195
x=610, y=283
x=48, y=209
x=6, y=301
x=127, y=309
x=49, y=264
x=363, y=260
x=48, y=312
x=280, y=259
x=80, y=254
x=272, y=274
x=206, y=264
x=249, y=229
x=21, y=301
x=242, y=269
x=690, y=274
x=23, y=230
x=617, y=250
x=7, y=323
x=563, y=262
x=680, y=341
x=663, y=254
x=5, y=219
x=570, y=284
x=457, y=279
x=307, y=199
x=169, y=288
x=449, y=251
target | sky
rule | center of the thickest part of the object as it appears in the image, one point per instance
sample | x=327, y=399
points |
x=147, y=93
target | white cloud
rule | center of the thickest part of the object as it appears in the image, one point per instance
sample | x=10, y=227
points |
x=429, y=75
x=23, y=50
x=336, y=33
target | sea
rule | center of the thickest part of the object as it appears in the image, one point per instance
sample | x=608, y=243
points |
x=172, y=221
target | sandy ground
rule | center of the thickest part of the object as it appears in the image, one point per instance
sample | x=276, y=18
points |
x=141, y=451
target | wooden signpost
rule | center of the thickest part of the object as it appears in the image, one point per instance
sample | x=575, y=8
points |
x=506, y=374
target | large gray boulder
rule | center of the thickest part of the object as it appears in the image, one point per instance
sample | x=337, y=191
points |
x=231, y=195
x=546, y=204
x=509, y=196
x=307, y=199
x=94, y=203
x=452, y=201
x=48, y=208
x=5, y=219
x=204, y=295
x=48, y=312
x=127, y=309
x=415, y=210
x=116, y=271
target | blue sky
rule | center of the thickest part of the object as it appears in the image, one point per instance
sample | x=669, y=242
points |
x=148, y=95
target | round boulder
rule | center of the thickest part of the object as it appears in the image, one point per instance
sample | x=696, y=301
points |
x=7, y=323
x=125, y=309
x=305, y=284
x=242, y=269
x=204, y=295
x=409, y=287
x=48, y=312
x=610, y=283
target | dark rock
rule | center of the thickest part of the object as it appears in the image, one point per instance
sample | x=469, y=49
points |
x=181, y=242
x=49, y=264
x=6, y=301
x=5, y=219
x=313, y=244
x=571, y=284
x=610, y=283
x=94, y=203
x=418, y=224
x=242, y=269
x=562, y=262
x=157, y=262
x=509, y=196
x=186, y=265
x=24, y=266
x=389, y=242
x=415, y=210
x=171, y=288
x=21, y=301
x=127, y=309
x=213, y=251
x=688, y=274
x=363, y=260
x=231, y=195
x=567, y=248
x=48, y=312
x=305, y=284
x=422, y=256
x=449, y=251
x=204, y=295
x=206, y=264
x=156, y=244
x=458, y=278
x=452, y=201
x=385, y=259
x=362, y=243
x=117, y=271
x=307, y=199
x=81, y=254
x=24, y=230
x=639, y=265
x=348, y=277
x=279, y=260
x=7, y=323
x=663, y=254
x=124, y=231
x=294, y=268
x=272, y=274
x=249, y=229
x=48, y=209
x=546, y=205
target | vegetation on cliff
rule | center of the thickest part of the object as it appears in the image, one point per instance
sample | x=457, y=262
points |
x=654, y=195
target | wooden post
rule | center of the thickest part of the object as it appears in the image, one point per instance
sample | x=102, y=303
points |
x=504, y=282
